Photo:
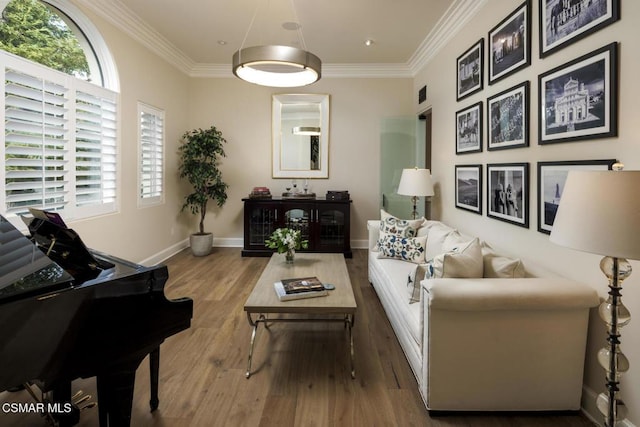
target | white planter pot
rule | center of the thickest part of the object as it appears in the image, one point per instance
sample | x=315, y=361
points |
x=201, y=244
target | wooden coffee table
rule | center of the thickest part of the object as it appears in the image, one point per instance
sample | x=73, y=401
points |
x=338, y=306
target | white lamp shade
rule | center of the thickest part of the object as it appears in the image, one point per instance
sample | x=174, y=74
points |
x=600, y=213
x=415, y=182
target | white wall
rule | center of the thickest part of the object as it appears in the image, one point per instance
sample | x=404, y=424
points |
x=242, y=112
x=143, y=77
x=440, y=77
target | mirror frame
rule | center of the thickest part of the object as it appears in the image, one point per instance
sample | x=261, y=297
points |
x=276, y=129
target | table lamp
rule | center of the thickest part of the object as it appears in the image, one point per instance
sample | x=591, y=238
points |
x=600, y=213
x=415, y=183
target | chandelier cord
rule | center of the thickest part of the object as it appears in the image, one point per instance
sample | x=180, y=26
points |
x=299, y=26
x=253, y=18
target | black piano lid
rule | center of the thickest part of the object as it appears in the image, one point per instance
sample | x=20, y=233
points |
x=24, y=268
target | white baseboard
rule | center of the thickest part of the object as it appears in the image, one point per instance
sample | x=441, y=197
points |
x=166, y=253
x=225, y=242
x=359, y=244
x=590, y=410
x=228, y=242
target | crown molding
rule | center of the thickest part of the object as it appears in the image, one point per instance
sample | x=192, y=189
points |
x=454, y=19
x=124, y=19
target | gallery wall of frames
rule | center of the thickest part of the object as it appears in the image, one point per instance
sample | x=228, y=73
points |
x=576, y=101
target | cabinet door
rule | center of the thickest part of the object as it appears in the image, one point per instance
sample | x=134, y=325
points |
x=299, y=217
x=333, y=228
x=261, y=221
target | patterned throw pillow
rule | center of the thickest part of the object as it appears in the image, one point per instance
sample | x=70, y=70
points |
x=404, y=248
x=389, y=224
x=413, y=282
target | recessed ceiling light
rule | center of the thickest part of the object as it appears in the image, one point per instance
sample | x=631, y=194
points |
x=368, y=42
x=222, y=42
x=291, y=26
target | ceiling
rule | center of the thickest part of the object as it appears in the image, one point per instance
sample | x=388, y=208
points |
x=204, y=34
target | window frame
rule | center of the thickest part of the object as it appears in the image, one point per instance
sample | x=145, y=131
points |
x=158, y=114
x=105, y=91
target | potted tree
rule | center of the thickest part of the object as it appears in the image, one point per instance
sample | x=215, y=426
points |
x=199, y=157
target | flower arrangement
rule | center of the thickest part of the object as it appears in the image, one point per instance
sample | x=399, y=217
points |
x=286, y=240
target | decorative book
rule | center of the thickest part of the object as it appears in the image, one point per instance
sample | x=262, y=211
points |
x=302, y=284
x=298, y=288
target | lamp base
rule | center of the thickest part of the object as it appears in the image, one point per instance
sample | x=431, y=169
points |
x=614, y=362
x=414, y=200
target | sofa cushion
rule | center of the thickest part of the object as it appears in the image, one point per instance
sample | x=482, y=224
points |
x=410, y=249
x=392, y=275
x=463, y=261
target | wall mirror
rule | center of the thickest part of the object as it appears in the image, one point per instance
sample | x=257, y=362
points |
x=300, y=136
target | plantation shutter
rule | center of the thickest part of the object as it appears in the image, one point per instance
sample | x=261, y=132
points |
x=95, y=152
x=60, y=148
x=36, y=143
x=151, y=154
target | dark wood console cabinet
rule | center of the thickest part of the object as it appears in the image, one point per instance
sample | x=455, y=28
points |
x=325, y=223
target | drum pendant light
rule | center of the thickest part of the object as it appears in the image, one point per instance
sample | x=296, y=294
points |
x=277, y=65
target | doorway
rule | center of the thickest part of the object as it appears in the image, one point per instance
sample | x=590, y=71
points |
x=425, y=119
x=405, y=142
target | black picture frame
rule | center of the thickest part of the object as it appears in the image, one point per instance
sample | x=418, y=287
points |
x=563, y=23
x=470, y=71
x=509, y=44
x=508, y=193
x=590, y=83
x=469, y=188
x=469, y=129
x=508, y=118
x=551, y=179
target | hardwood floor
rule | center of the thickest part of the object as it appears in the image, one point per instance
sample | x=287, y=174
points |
x=301, y=371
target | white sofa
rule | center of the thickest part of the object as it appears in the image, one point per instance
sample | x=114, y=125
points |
x=487, y=343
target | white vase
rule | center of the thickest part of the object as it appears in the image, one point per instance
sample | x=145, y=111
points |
x=201, y=244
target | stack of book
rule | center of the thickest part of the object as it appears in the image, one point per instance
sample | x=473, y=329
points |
x=260, y=193
x=298, y=288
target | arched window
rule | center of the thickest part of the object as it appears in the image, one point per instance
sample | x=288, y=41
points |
x=60, y=113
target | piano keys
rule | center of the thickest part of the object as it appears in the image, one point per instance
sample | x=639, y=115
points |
x=78, y=313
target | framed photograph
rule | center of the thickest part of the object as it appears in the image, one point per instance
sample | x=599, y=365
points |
x=469, y=68
x=509, y=43
x=578, y=100
x=564, y=22
x=508, y=193
x=508, y=118
x=551, y=179
x=469, y=129
x=469, y=188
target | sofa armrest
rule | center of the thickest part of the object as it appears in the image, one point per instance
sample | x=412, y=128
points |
x=504, y=344
x=508, y=294
x=374, y=232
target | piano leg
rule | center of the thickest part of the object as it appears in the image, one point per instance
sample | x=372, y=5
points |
x=154, y=370
x=61, y=394
x=115, y=397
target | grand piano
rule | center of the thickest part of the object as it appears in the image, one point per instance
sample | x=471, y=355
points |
x=68, y=312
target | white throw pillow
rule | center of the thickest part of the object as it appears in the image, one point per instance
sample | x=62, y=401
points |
x=502, y=267
x=464, y=261
x=435, y=238
x=404, y=248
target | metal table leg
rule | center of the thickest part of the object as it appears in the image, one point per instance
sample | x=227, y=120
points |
x=261, y=318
